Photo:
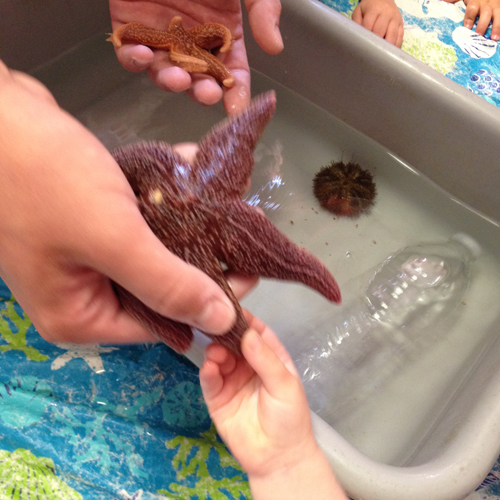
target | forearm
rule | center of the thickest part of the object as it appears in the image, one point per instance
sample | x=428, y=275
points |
x=312, y=478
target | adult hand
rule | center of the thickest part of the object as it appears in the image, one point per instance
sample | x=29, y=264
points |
x=264, y=21
x=69, y=224
x=382, y=17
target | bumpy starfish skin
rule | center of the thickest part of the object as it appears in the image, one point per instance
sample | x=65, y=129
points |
x=196, y=211
x=186, y=47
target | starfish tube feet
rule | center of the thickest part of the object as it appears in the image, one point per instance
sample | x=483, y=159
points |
x=187, y=48
x=196, y=211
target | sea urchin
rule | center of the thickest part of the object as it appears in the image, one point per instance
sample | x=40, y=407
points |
x=344, y=189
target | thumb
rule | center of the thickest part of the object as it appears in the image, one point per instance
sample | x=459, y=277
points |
x=163, y=281
x=275, y=376
x=264, y=16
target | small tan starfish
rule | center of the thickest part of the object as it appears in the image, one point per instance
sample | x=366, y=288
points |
x=188, y=48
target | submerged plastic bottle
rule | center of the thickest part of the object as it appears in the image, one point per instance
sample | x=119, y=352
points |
x=408, y=295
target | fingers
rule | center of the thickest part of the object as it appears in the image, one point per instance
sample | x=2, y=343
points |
x=394, y=33
x=204, y=90
x=484, y=19
x=271, y=340
x=223, y=377
x=482, y=13
x=471, y=13
x=264, y=16
x=77, y=306
x=211, y=378
x=237, y=97
x=400, y=36
x=166, y=76
x=142, y=265
x=381, y=18
x=357, y=15
x=134, y=58
x=495, y=29
x=275, y=376
x=187, y=150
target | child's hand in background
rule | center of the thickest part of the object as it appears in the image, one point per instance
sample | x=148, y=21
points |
x=381, y=17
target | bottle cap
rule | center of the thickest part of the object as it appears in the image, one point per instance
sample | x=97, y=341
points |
x=468, y=242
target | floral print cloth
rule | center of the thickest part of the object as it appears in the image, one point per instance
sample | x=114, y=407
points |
x=104, y=423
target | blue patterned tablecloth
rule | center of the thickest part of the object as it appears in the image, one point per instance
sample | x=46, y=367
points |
x=104, y=423
x=435, y=35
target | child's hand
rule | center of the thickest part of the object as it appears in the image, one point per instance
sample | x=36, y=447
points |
x=257, y=402
x=264, y=20
x=484, y=11
x=69, y=223
x=382, y=17
x=260, y=410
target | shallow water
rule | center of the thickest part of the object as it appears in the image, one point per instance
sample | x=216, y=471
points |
x=397, y=411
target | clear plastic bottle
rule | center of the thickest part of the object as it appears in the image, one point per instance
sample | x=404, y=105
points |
x=408, y=295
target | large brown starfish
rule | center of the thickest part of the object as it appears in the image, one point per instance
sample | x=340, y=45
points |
x=186, y=47
x=197, y=212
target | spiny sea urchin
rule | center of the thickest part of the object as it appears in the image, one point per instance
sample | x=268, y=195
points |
x=344, y=189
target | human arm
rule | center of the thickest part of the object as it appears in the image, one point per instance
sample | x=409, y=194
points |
x=381, y=17
x=260, y=410
x=264, y=23
x=69, y=224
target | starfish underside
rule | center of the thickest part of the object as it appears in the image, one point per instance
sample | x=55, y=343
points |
x=187, y=48
x=196, y=211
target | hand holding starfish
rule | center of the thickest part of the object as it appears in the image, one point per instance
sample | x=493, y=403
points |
x=65, y=232
x=260, y=409
x=263, y=17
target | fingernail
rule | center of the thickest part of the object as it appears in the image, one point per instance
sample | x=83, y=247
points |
x=467, y=24
x=217, y=317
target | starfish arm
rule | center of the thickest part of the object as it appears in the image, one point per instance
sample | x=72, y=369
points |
x=190, y=64
x=225, y=161
x=210, y=35
x=201, y=255
x=250, y=244
x=138, y=33
x=176, y=335
x=215, y=67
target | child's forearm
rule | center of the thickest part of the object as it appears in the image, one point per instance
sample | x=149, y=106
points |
x=311, y=478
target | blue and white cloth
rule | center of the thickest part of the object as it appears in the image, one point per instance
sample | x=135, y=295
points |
x=434, y=34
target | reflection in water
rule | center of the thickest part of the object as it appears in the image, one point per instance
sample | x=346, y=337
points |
x=269, y=190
